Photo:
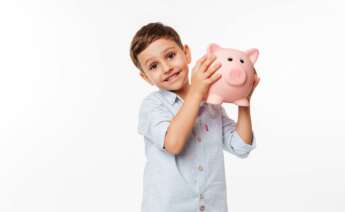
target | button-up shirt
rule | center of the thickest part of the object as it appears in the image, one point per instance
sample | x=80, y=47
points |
x=193, y=180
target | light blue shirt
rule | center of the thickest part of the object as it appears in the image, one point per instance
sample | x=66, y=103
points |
x=193, y=180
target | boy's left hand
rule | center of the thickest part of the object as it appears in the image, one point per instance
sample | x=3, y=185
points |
x=255, y=83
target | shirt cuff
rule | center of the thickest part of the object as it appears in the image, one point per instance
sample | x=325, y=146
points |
x=239, y=143
x=161, y=139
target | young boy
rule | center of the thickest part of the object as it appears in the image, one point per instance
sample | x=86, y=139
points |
x=184, y=136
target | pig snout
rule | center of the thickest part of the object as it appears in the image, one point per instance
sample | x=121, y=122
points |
x=236, y=77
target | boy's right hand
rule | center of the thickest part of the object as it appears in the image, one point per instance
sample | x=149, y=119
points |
x=204, y=74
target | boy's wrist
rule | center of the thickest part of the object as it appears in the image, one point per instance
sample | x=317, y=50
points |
x=195, y=95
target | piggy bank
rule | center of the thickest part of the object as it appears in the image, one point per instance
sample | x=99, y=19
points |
x=238, y=75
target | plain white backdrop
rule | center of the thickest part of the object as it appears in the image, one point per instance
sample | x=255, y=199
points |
x=69, y=100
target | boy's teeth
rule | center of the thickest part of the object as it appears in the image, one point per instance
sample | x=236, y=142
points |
x=173, y=76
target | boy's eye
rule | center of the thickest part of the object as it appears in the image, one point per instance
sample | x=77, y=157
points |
x=153, y=66
x=171, y=55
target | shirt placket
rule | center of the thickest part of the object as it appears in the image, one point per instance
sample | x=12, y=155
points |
x=198, y=134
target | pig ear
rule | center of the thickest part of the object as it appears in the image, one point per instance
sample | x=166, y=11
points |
x=212, y=48
x=253, y=54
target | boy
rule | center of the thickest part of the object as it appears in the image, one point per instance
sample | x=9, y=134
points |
x=184, y=136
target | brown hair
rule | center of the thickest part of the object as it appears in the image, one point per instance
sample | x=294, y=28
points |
x=148, y=34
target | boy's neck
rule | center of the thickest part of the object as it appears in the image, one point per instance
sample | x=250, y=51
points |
x=183, y=91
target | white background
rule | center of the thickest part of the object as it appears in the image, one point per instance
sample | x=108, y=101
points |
x=69, y=100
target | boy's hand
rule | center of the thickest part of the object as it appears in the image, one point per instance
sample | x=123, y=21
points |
x=255, y=83
x=204, y=74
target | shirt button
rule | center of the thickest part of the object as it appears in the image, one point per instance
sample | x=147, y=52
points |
x=202, y=208
x=198, y=139
x=200, y=168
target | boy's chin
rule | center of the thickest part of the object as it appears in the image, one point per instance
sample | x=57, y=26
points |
x=176, y=87
x=173, y=86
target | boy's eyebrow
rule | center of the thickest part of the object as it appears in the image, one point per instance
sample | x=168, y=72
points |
x=165, y=50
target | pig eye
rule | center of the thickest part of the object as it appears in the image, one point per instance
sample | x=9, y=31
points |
x=230, y=59
x=241, y=60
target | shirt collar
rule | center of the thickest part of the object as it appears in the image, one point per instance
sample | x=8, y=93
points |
x=172, y=97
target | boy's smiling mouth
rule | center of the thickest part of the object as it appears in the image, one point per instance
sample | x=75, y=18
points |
x=172, y=77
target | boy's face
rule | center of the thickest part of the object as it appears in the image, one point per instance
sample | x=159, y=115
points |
x=165, y=64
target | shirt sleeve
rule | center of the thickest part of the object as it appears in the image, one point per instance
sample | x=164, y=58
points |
x=232, y=142
x=154, y=120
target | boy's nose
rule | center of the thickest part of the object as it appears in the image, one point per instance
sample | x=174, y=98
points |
x=167, y=68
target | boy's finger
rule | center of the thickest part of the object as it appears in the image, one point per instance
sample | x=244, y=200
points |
x=216, y=76
x=199, y=62
x=210, y=59
x=257, y=80
x=212, y=69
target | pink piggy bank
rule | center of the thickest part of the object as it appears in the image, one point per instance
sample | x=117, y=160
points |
x=238, y=75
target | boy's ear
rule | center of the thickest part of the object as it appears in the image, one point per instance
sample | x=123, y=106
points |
x=143, y=75
x=186, y=51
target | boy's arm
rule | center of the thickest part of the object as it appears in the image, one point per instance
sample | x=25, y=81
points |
x=182, y=124
x=203, y=75
x=244, y=124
